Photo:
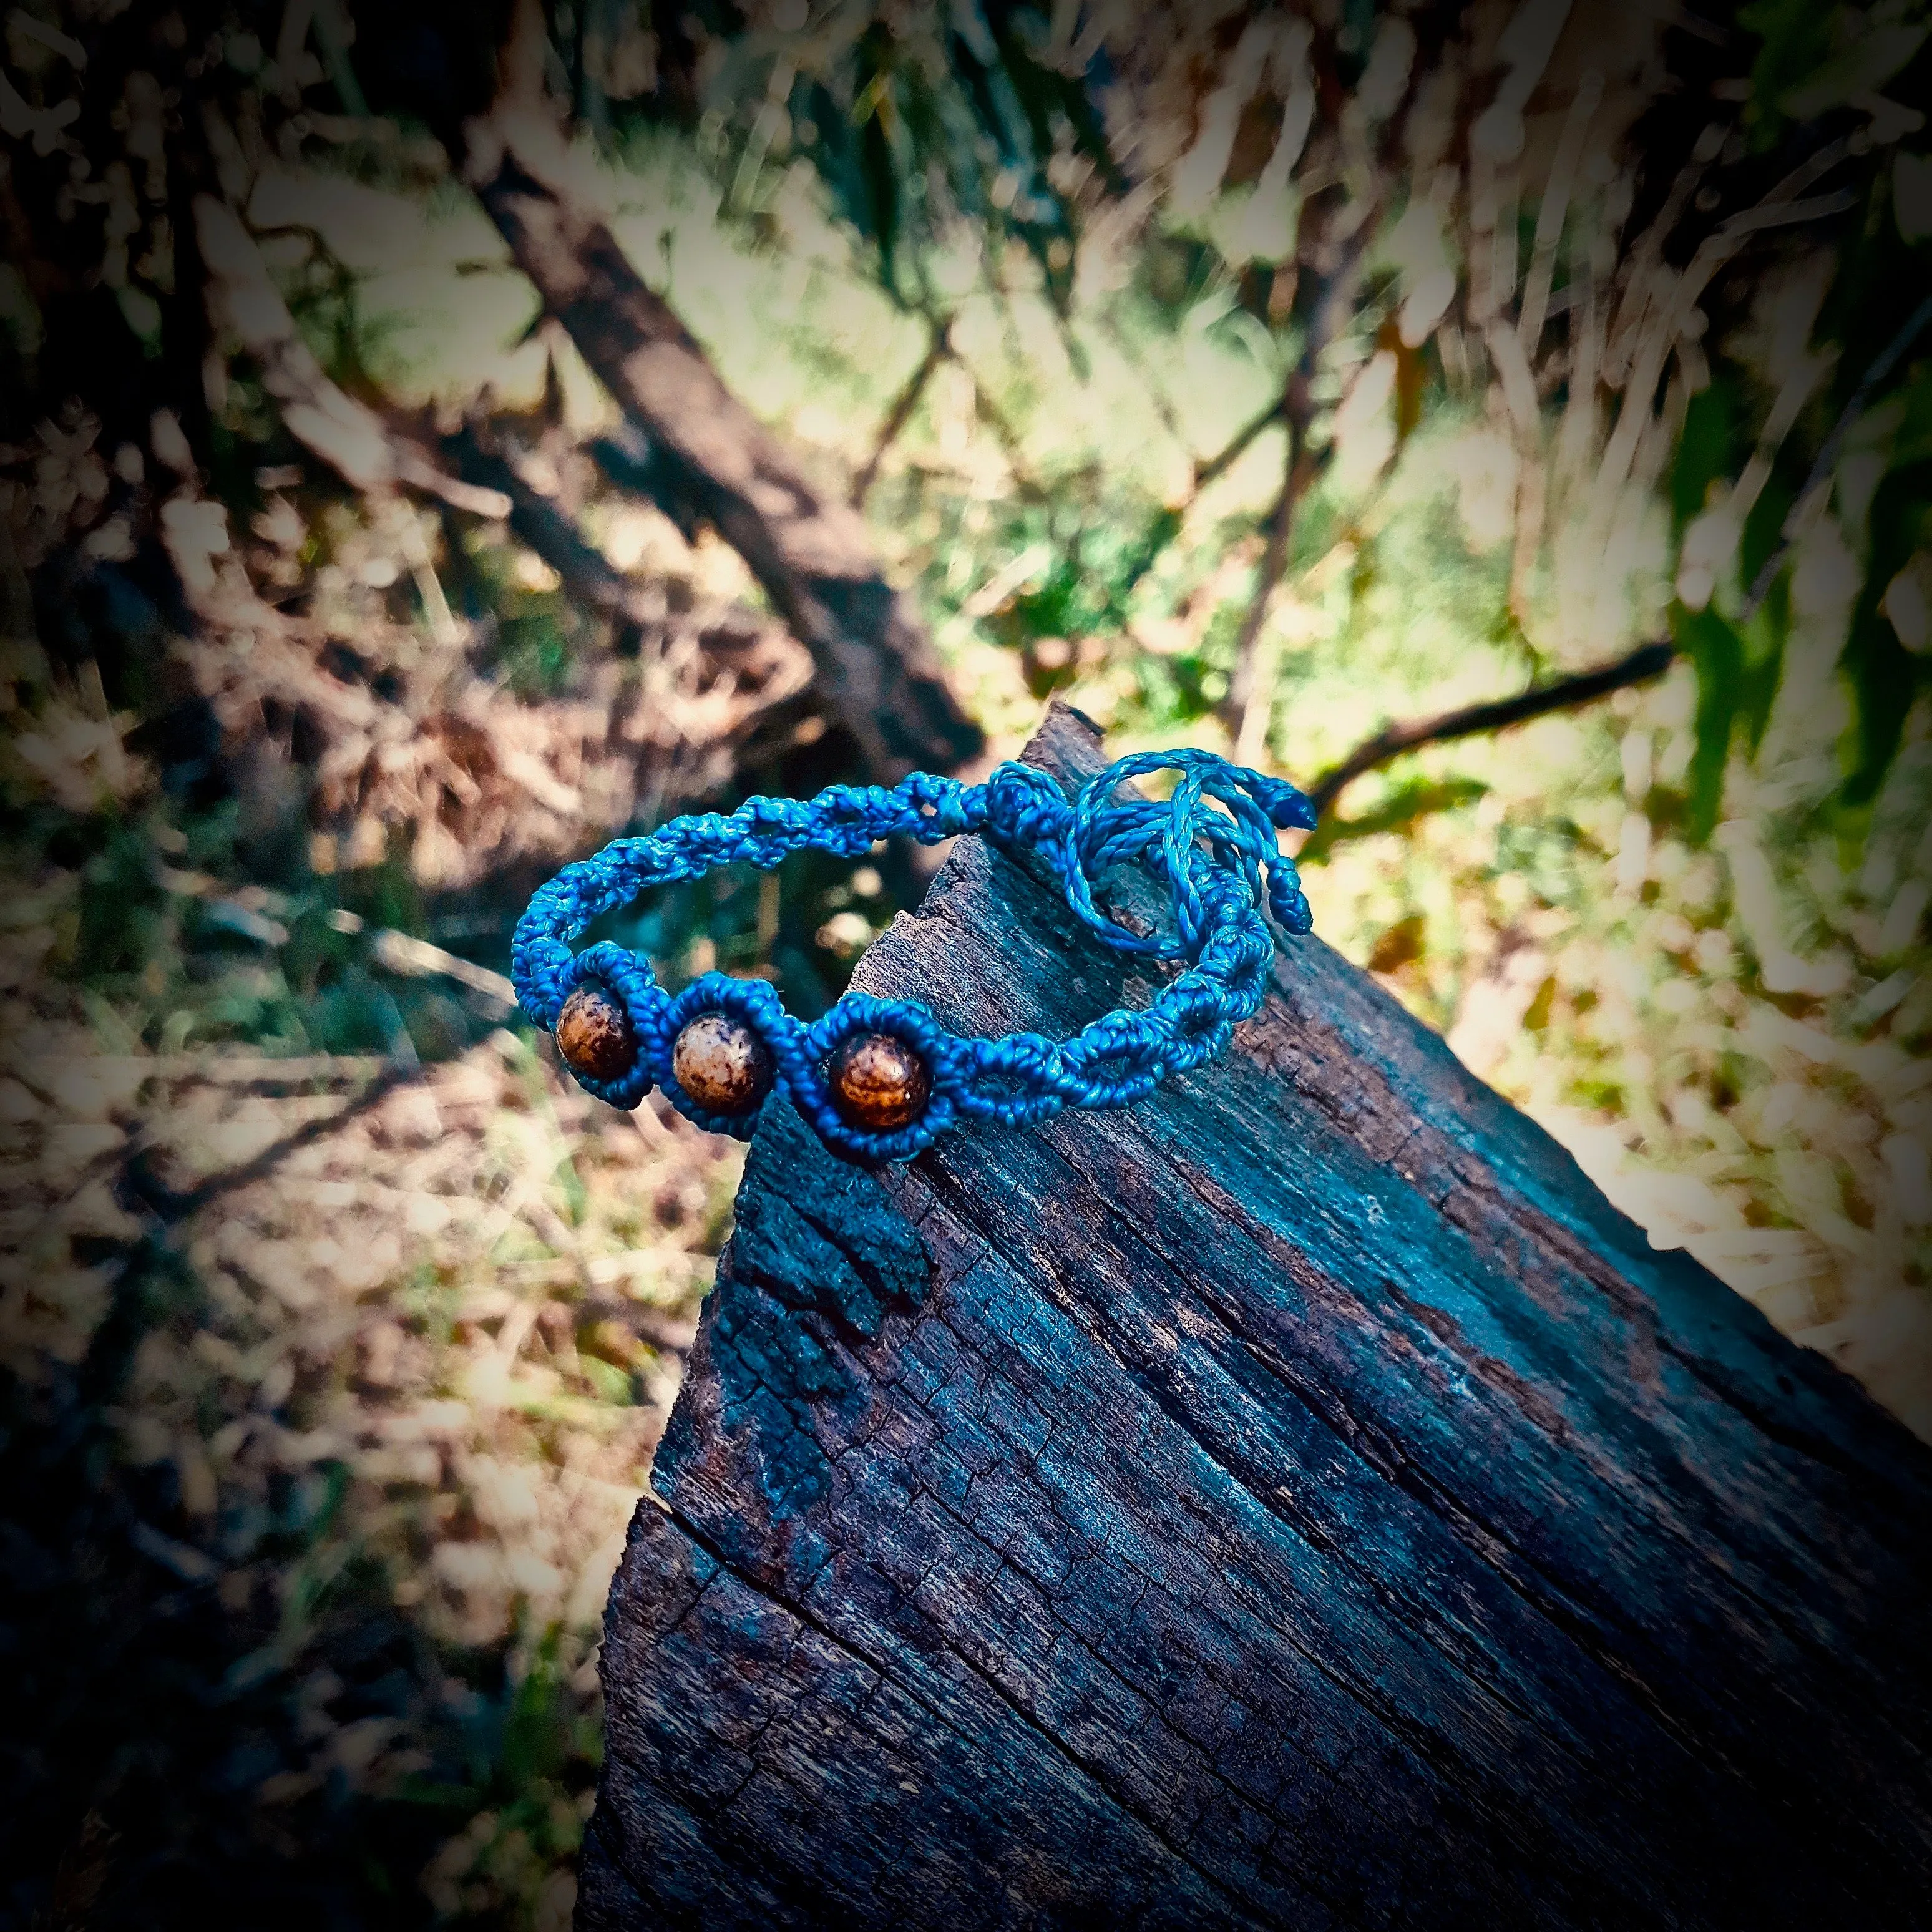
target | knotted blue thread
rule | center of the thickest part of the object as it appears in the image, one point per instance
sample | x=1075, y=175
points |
x=1219, y=861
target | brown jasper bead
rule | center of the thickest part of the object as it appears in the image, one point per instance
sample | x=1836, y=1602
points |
x=593, y=1034
x=878, y=1083
x=722, y=1064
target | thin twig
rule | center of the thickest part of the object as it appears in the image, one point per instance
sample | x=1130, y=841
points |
x=937, y=351
x=990, y=413
x=1231, y=453
x=1826, y=460
x=1297, y=410
x=1244, y=690
x=1646, y=662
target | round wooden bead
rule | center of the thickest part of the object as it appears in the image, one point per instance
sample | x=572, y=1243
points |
x=593, y=1034
x=878, y=1083
x=722, y=1064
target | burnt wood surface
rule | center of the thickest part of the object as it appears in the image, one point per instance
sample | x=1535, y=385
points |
x=804, y=542
x=1299, y=1500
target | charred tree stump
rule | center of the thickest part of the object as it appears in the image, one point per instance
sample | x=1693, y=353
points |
x=1300, y=1500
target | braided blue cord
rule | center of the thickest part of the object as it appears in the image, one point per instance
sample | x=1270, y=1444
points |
x=1213, y=858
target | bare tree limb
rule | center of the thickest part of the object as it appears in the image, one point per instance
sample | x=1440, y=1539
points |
x=1638, y=667
x=810, y=549
x=756, y=674
x=900, y=414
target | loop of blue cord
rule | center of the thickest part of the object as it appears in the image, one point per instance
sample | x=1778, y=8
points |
x=1212, y=844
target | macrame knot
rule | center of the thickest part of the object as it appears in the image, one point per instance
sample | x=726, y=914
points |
x=1187, y=842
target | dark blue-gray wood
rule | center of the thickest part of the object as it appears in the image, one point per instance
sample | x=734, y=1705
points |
x=1300, y=1500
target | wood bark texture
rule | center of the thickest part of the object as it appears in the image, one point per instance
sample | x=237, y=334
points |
x=806, y=545
x=1299, y=1500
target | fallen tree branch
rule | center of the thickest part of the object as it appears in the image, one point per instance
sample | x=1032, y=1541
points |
x=1646, y=662
x=550, y=531
x=808, y=548
x=1264, y=1481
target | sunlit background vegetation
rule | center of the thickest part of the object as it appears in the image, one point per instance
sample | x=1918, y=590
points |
x=1249, y=380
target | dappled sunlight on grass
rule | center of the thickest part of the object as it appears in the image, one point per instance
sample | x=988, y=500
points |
x=400, y=1353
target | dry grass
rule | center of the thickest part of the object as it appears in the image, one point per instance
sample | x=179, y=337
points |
x=440, y=1315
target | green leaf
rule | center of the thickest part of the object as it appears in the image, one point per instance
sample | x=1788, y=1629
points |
x=1717, y=653
x=1706, y=448
x=1871, y=60
x=608, y=1383
x=1884, y=677
x=1797, y=37
x=1763, y=640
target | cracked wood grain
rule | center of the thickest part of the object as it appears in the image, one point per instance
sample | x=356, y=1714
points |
x=1299, y=1500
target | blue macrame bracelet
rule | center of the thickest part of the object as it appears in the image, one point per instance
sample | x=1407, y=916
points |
x=879, y=1078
